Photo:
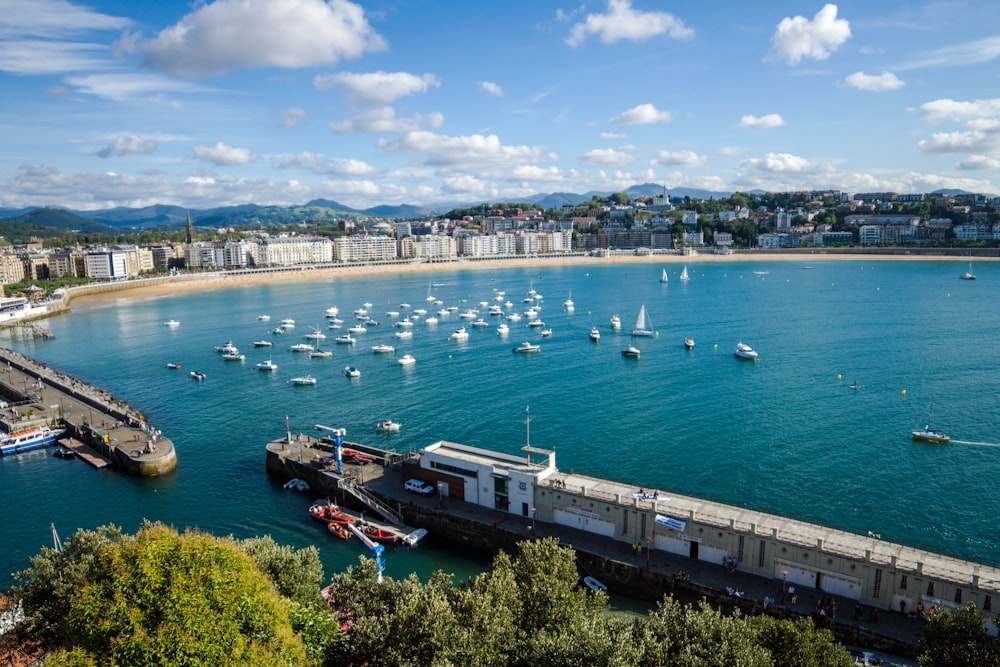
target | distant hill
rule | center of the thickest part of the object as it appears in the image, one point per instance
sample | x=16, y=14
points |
x=14, y=212
x=47, y=223
x=401, y=211
x=159, y=215
x=329, y=203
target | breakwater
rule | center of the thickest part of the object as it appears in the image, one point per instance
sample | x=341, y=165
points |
x=36, y=394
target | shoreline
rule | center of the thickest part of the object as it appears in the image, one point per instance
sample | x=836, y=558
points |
x=188, y=283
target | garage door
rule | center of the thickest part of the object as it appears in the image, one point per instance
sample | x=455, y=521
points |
x=596, y=526
x=672, y=545
x=712, y=555
x=843, y=586
x=796, y=575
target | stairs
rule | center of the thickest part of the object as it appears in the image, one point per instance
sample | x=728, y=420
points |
x=353, y=487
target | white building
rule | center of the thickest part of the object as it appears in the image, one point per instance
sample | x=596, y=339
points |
x=364, y=248
x=106, y=265
x=435, y=246
x=292, y=250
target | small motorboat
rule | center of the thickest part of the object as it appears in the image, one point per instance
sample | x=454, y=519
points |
x=320, y=354
x=229, y=356
x=382, y=348
x=175, y=367
x=405, y=334
x=406, y=360
x=459, y=334
x=288, y=323
x=631, y=352
x=332, y=311
x=64, y=453
x=595, y=334
x=303, y=381
x=503, y=329
x=376, y=534
x=616, y=323
x=344, y=340
x=594, y=585
x=339, y=530
x=744, y=351
x=264, y=318
x=228, y=348
x=197, y=375
x=173, y=323
x=267, y=366
x=262, y=343
x=527, y=348
x=387, y=426
x=689, y=343
x=302, y=347
x=352, y=372
x=327, y=512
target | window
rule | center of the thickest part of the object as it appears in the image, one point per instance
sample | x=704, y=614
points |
x=930, y=588
x=902, y=583
x=988, y=603
x=739, y=549
x=760, y=553
x=878, y=584
x=958, y=596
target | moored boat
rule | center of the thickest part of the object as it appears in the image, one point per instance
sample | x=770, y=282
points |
x=927, y=434
x=595, y=334
x=631, y=352
x=527, y=348
x=376, y=534
x=459, y=334
x=262, y=343
x=689, y=343
x=406, y=360
x=744, y=351
x=382, y=348
x=387, y=426
x=172, y=323
x=28, y=439
x=327, y=512
x=233, y=356
x=616, y=322
x=320, y=354
x=643, y=327
x=303, y=380
x=197, y=375
x=352, y=372
x=175, y=367
x=594, y=585
x=267, y=366
x=344, y=340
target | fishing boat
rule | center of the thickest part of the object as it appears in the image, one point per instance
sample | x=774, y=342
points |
x=406, y=360
x=616, y=322
x=28, y=439
x=382, y=348
x=303, y=380
x=927, y=434
x=684, y=274
x=388, y=426
x=595, y=334
x=267, y=366
x=320, y=354
x=744, y=351
x=594, y=585
x=968, y=275
x=689, y=343
x=196, y=375
x=643, y=327
x=527, y=348
x=663, y=276
x=175, y=367
x=631, y=352
x=352, y=372
x=172, y=323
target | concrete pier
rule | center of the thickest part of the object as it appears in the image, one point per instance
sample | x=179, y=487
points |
x=34, y=395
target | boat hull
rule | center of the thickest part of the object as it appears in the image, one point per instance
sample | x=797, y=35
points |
x=18, y=443
x=931, y=436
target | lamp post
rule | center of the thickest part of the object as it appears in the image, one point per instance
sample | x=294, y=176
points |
x=533, y=521
x=784, y=586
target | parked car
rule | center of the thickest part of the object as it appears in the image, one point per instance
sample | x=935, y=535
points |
x=416, y=486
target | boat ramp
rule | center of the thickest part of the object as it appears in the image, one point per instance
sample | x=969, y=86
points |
x=101, y=429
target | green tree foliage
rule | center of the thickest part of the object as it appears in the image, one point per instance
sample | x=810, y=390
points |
x=957, y=639
x=797, y=643
x=296, y=573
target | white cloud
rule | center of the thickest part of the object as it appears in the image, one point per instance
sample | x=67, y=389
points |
x=605, y=157
x=383, y=120
x=644, y=114
x=947, y=109
x=688, y=159
x=290, y=117
x=474, y=152
x=535, y=173
x=238, y=34
x=127, y=144
x=126, y=87
x=769, y=121
x=976, y=162
x=222, y=155
x=797, y=38
x=729, y=151
x=491, y=88
x=968, y=53
x=53, y=19
x=621, y=22
x=612, y=136
x=41, y=57
x=320, y=164
x=376, y=88
x=960, y=142
x=874, y=82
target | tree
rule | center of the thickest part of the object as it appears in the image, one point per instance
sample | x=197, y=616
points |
x=958, y=638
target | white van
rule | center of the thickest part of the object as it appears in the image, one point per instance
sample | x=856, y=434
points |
x=416, y=486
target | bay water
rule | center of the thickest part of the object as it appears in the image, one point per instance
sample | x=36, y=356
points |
x=785, y=435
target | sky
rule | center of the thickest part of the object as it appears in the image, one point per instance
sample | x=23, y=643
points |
x=212, y=103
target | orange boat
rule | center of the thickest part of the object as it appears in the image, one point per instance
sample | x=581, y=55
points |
x=377, y=534
x=339, y=530
x=330, y=513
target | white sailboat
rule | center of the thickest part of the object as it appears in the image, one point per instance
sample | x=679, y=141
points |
x=684, y=274
x=643, y=327
x=663, y=278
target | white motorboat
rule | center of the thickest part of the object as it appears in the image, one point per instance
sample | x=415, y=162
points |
x=545, y=333
x=469, y=314
x=392, y=313
x=345, y=340
x=302, y=347
x=643, y=327
x=452, y=309
x=267, y=366
x=277, y=331
x=264, y=318
x=568, y=303
x=595, y=334
x=358, y=329
x=288, y=323
x=631, y=352
x=536, y=324
x=352, y=372
x=403, y=334
x=228, y=356
x=405, y=323
x=420, y=311
x=616, y=322
x=382, y=348
x=744, y=351
x=503, y=329
x=527, y=348
x=406, y=360
x=173, y=323
x=387, y=426
x=689, y=343
x=367, y=304
x=262, y=343
x=303, y=380
x=514, y=317
x=332, y=311
x=459, y=334
x=320, y=354
x=444, y=312
x=495, y=310
x=228, y=348
x=431, y=320
x=197, y=375
x=315, y=335
x=479, y=323
x=404, y=305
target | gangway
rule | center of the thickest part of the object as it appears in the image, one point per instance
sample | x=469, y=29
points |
x=351, y=485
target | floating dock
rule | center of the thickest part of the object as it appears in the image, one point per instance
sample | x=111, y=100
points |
x=32, y=394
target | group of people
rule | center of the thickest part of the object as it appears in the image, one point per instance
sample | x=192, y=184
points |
x=642, y=494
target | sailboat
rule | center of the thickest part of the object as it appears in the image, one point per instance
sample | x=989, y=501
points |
x=643, y=327
x=968, y=275
x=927, y=434
x=684, y=274
x=663, y=277
x=568, y=303
x=430, y=297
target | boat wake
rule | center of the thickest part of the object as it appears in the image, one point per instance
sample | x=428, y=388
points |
x=978, y=444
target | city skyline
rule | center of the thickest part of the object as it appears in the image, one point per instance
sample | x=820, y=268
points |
x=230, y=102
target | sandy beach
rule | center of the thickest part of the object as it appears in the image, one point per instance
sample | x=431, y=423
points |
x=140, y=289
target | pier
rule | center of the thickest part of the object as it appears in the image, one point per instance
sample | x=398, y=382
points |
x=103, y=430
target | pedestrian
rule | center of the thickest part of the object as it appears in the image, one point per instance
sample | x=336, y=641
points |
x=902, y=606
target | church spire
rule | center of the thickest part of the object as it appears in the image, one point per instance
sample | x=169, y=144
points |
x=190, y=229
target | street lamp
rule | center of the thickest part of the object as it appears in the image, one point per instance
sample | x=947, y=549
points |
x=533, y=521
x=784, y=586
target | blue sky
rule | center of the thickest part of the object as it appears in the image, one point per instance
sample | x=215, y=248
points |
x=200, y=104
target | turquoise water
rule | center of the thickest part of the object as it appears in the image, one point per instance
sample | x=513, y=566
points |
x=784, y=435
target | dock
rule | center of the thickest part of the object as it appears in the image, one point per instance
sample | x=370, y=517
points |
x=113, y=433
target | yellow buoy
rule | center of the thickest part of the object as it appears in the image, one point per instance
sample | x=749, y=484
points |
x=716, y=346
x=904, y=392
x=839, y=377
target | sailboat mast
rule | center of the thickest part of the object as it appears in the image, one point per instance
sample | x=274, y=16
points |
x=527, y=433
